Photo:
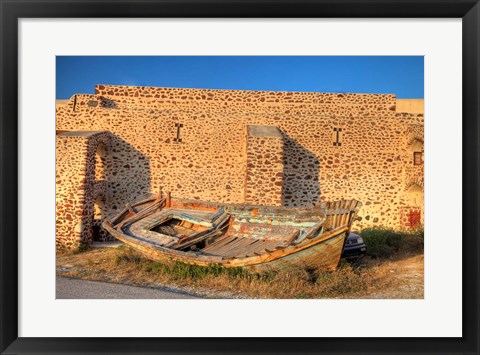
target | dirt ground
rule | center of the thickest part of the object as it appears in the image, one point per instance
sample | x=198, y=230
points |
x=400, y=276
x=407, y=275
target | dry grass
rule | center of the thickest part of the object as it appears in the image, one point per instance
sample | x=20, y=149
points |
x=368, y=278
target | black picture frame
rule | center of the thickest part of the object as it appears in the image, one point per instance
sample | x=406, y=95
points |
x=11, y=11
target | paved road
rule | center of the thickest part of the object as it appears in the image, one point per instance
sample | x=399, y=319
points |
x=68, y=288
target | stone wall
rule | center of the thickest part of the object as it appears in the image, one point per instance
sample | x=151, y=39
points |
x=264, y=170
x=79, y=161
x=193, y=143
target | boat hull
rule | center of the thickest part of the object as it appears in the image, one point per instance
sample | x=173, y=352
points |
x=322, y=256
x=317, y=247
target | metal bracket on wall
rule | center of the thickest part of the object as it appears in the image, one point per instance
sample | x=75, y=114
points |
x=337, y=143
x=178, y=139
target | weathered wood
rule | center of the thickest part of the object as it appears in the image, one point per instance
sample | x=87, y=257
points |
x=235, y=235
x=131, y=209
x=198, y=237
x=217, y=214
x=159, y=253
x=221, y=250
x=159, y=196
x=220, y=243
x=236, y=249
x=251, y=248
x=272, y=246
x=313, y=232
x=221, y=220
x=168, y=200
x=141, y=214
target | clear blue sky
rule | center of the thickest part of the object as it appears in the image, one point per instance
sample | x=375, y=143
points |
x=402, y=75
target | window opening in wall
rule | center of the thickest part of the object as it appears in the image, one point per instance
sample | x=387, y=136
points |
x=414, y=219
x=337, y=142
x=178, y=138
x=98, y=215
x=107, y=103
x=417, y=158
x=100, y=157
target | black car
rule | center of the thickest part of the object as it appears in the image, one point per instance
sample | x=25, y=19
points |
x=354, y=246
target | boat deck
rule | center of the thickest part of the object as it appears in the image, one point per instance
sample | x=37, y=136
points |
x=175, y=227
x=246, y=239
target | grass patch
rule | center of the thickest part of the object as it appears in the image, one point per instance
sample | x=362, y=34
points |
x=383, y=242
x=345, y=280
x=127, y=256
x=182, y=271
x=127, y=266
x=81, y=248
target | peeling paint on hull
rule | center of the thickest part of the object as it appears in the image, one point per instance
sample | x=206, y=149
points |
x=260, y=238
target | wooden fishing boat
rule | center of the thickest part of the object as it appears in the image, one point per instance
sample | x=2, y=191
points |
x=235, y=235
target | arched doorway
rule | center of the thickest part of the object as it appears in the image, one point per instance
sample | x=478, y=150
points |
x=412, y=214
x=98, y=215
x=99, y=194
x=100, y=159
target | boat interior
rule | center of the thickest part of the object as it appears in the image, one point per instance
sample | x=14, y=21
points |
x=227, y=231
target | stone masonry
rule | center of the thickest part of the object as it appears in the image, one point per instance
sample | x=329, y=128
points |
x=277, y=148
x=264, y=172
x=79, y=185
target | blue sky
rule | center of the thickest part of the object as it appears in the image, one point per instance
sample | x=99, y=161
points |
x=400, y=75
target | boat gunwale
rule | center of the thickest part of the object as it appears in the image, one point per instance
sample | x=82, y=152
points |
x=245, y=207
x=191, y=257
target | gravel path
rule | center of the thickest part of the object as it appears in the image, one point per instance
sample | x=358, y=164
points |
x=68, y=288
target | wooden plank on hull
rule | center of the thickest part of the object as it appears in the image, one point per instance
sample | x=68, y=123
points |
x=222, y=219
x=212, y=248
x=229, y=246
x=141, y=214
x=267, y=246
x=258, y=249
x=250, y=248
x=238, y=248
x=289, y=239
x=348, y=213
x=267, y=232
x=312, y=232
x=352, y=206
x=131, y=209
x=198, y=237
x=337, y=216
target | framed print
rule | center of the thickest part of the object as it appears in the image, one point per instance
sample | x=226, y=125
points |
x=239, y=177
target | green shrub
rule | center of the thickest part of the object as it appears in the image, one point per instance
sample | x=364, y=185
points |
x=155, y=267
x=380, y=242
x=414, y=241
x=383, y=242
